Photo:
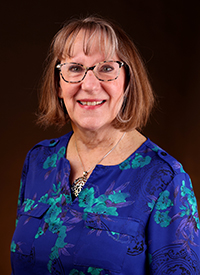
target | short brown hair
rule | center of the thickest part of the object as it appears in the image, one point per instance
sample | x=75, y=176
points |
x=138, y=96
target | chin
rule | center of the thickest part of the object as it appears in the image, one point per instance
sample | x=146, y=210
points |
x=94, y=127
x=93, y=123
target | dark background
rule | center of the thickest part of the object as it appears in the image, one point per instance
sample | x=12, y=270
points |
x=167, y=34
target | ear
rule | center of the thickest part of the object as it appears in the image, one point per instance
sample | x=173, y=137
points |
x=60, y=93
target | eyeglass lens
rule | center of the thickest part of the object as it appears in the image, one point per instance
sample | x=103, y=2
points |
x=105, y=71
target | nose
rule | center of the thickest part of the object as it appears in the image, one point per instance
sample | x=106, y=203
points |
x=90, y=82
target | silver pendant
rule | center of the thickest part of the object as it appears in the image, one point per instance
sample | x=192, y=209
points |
x=78, y=184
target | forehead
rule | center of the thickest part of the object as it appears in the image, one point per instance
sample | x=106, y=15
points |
x=90, y=42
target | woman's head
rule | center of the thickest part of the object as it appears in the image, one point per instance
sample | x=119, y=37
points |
x=112, y=40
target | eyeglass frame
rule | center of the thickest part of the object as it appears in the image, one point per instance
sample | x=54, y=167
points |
x=59, y=66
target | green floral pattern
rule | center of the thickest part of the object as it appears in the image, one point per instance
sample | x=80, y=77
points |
x=162, y=218
x=188, y=210
x=54, y=223
x=91, y=270
x=28, y=205
x=137, y=162
x=52, y=160
x=103, y=204
x=13, y=246
x=121, y=209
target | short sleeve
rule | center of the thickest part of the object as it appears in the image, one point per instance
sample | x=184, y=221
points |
x=173, y=231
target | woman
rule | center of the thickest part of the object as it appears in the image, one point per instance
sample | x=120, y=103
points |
x=102, y=199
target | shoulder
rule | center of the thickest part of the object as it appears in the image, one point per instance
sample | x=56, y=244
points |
x=152, y=162
x=149, y=158
x=155, y=169
x=163, y=171
x=48, y=148
x=151, y=169
x=163, y=158
x=45, y=155
x=53, y=144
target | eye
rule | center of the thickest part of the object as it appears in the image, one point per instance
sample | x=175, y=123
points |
x=106, y=68
x=75, y=68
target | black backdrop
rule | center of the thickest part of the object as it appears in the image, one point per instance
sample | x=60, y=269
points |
x=167, y=34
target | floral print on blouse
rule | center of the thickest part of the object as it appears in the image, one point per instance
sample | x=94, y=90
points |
x=139, y=217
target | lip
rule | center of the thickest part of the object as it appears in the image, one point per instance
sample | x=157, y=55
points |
x=91, y=104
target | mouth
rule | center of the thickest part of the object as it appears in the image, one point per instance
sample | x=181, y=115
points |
x=91, y=103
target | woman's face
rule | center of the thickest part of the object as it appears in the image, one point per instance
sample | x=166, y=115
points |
x=92, y=104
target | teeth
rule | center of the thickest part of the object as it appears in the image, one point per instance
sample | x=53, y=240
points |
x=91, y=103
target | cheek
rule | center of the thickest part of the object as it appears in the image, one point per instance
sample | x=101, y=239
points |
x=67, y=90
x=120, y=84
x=119, y=91
x=119, y=94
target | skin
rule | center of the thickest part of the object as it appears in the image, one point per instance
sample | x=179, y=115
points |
x=92, y=118
x=93, y=131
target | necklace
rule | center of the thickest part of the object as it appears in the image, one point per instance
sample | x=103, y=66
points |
x=78, y=184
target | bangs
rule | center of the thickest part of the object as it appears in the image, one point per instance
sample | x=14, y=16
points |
x=109, y=39
x=106, y=39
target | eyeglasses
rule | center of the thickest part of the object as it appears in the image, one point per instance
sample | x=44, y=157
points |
x=104, y=71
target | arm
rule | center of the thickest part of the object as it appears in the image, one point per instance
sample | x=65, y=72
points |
x=173, y=231
x=22, y=186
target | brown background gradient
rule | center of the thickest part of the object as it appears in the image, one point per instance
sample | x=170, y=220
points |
x=167, y=34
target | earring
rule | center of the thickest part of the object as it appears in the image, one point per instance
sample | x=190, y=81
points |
x=121, y=112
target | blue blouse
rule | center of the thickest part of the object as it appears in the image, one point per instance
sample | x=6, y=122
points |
x=139, y=217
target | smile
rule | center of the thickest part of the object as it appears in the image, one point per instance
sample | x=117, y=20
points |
x=91, y=103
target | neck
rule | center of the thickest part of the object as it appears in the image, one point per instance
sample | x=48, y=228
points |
x=94, y=154
x=107, y=148
x=91, y=140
